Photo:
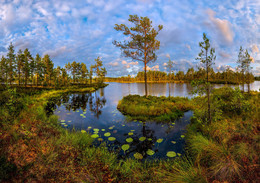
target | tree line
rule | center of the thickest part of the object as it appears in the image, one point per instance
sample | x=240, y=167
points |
x=24, y=69
x=227, y=76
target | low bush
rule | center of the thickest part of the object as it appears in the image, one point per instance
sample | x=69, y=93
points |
x=154, y=108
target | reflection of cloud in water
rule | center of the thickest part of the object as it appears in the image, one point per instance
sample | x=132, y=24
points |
x=102, y=115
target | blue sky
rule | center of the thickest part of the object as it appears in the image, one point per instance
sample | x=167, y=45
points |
x=83, y=30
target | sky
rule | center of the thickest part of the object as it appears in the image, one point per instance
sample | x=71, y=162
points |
x=82, y=30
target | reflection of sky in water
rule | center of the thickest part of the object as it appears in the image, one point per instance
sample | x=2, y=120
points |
x=98, y=110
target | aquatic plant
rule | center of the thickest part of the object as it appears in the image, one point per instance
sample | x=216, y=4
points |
x=153, y=108
x=129, y=140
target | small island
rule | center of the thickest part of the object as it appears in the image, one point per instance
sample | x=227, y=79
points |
x=160, y=109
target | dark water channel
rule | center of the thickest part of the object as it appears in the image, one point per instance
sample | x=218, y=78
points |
x=97, y=114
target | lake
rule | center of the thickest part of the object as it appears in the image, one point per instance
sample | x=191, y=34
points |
x=97, y=114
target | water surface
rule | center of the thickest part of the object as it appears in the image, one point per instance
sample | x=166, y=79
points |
x=96, y=113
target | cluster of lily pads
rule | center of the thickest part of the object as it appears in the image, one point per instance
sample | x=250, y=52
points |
x=126, y=146
x=83, y=114
x=129, y=140
x=63, y=122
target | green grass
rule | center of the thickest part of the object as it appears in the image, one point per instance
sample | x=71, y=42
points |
x=162, y=109
x=34, y=147
x=226, y=149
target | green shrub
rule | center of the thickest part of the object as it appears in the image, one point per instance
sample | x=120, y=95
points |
x=153, y=108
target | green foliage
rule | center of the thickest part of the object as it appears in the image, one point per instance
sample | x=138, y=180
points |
x=154, y=108
x=181, y=170
x=227, y=146
x=142, y=44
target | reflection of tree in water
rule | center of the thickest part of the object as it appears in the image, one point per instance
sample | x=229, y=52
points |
x=96, y=103
x=142, y=146
x=55, y=102
x=77, y=101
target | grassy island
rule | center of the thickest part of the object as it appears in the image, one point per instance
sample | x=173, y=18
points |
x=163, y=109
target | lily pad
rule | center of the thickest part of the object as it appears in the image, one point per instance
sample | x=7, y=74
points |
x=100, y=139
x=83, y=131
x=130, y=133
x=182, y=136
x=96, y=130
x=150, y=152
x=150, y=139
x=62, y=120
x=111, y=138
x=111, y=128
x=103, y=130
x=89, y=127
x=138, y=156
x=171, y=154
x=65, y=125
x=173, y=142
x=159, y=141
x=142, y=139
x=132, y=130
x=125, y=147
x=94, y=136
x=179, y=154
x=69, y=121
x=107, y=134
x=129, y=140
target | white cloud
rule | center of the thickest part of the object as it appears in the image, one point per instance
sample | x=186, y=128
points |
x=133, y=63
x=188, y=47
x=57, y=52
x=113, y=63
x=124, y=62
x=224, y=55
x=154, y=68
x=255, y=49
x=222, y=26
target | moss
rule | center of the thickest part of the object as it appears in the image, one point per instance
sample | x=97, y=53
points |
x=161, y=109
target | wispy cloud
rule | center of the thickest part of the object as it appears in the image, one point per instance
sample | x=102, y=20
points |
x=83, y=30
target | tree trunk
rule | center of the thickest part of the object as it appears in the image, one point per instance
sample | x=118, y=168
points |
x=248, y=83
x=209, y=116
x=19, y=75
x=37, y=79
x=169, y=90
x=145, y=79
x=243, y=81
x=6, y=81
x=25, y=83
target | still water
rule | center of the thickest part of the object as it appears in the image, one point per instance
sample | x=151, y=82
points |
x=97, y=114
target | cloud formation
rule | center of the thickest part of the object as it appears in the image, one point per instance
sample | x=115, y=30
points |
x=222, y=26
x=83, y=30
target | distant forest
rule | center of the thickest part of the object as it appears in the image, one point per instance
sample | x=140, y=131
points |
x=228, y=76
x=25, y=70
